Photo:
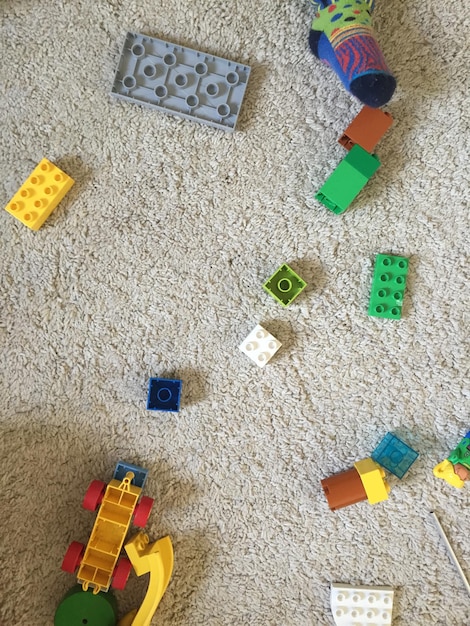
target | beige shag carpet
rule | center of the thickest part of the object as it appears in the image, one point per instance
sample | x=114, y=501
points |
x=153, y=266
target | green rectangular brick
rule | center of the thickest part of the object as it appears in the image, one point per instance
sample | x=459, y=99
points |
x=365, y=163
x=388, y=286
x=347, y=180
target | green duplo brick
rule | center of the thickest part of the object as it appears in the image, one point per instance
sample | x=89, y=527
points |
x=388, y=286
x=348, y=179
x=284, y=285
x=461, y=454
x=365, y=163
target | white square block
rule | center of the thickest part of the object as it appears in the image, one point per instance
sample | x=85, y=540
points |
x=260, y=346
x=361, y=606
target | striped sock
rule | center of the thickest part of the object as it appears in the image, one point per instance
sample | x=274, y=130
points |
x=341, y=35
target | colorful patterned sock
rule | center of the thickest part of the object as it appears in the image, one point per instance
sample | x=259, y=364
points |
x=321, y=4
x=341, y=35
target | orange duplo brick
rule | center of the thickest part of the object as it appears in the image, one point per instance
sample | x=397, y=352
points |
x=366, y=129
x=344, y=489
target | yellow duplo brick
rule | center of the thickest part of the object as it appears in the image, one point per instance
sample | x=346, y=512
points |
x=39, y=195
x=373, y=480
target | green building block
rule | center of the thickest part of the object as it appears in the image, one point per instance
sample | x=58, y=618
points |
x=80, y=607
x=284, y=285
x=365, y=163
x=388, y=286
x=461, y=454
x=347, y=180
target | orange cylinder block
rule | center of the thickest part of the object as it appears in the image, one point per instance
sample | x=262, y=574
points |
x=344, y=489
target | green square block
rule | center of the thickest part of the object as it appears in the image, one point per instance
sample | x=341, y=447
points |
x=347, y=180
x=388, y=286
x=284, y=285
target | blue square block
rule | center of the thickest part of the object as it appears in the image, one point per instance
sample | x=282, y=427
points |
x=140, y=474
x=164, y=394
x=394, y=455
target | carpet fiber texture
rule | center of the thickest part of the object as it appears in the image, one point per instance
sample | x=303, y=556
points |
x=153, y=265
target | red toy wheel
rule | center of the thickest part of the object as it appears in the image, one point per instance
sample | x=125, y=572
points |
x=94, y=495
x=142, y=511
x=121, y=573
x=73, y=557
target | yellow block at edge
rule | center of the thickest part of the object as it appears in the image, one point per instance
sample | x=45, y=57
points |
x=373, y=480
x=39, y=195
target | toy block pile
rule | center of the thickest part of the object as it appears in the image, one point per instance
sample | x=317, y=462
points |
x=366, y=480
x=202, y=87
x=358, y=166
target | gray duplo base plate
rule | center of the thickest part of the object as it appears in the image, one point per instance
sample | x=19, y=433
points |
x=181, y=81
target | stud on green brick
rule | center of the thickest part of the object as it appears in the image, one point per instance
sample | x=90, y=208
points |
x=347, y=180
x=284, y=285
x=388, y=286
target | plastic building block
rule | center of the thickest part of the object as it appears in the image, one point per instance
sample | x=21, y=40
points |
x=366, y=129
x=347, y=180
x=140, y=474
x=445, y=470
x=343, y=489
x=80, y=607
x=260, y=346
x=373, y=479
x=357, y=606
x=366, y=481
x=455, y=470
x=39, y=195
x=97, y=563
x=284, y=285
x=181, y=81
x=388, y=286
x=157, y=560
x=395, y=455
x=461, y=454
x=164, y=394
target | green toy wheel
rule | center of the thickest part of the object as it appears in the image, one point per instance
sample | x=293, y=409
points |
x=83, y=608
